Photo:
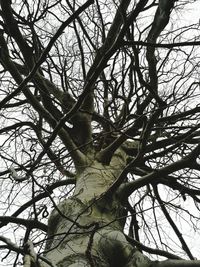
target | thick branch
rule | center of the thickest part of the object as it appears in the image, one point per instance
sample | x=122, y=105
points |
x=154, y=251
x=10, y=245
x=48, y=191
x=176, y=263
x=160, y=21
x=161, y=45
x=125, y=190
x=28, y=223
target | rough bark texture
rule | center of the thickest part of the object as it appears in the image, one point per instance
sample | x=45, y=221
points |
x=87, y=229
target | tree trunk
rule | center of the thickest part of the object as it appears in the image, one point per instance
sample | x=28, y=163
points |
x=87, y=229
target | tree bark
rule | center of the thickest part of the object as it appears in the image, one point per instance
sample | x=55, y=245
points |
x=87, y=229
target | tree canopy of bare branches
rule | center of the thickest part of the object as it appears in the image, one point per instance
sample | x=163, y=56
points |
x=100, y=133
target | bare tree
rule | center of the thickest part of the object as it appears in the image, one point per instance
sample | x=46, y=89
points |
x=99, y=133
